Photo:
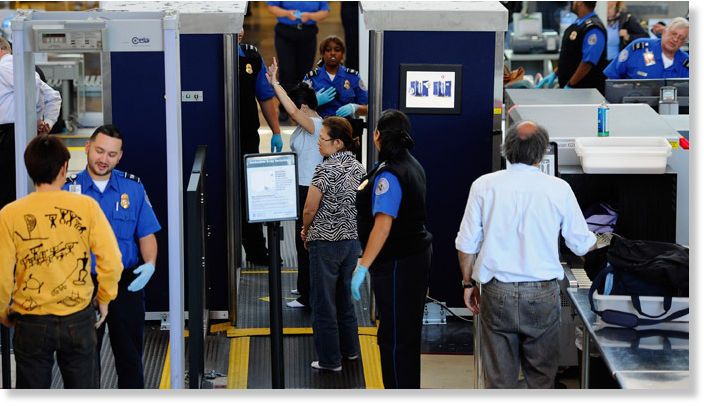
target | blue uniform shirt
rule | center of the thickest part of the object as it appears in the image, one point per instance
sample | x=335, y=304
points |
x=262, y=88
x=593, y=43
x=387, y=194
x=349, y=86
x=127, y=208
x=642, y=59
x=302, y=6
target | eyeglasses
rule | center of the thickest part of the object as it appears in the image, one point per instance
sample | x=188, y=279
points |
x=329, y=139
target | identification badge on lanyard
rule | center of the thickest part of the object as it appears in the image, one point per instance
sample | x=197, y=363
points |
x=74, y=188
x=648, y=58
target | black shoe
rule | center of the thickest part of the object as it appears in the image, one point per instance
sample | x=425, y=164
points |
x=259, y=259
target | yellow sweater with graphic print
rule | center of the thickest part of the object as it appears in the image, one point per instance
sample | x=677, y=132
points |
x=46, y=239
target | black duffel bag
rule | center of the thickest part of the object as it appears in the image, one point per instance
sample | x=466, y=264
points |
x=641, y=268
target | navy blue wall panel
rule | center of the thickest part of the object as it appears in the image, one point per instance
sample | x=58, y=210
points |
x=453, y=149
x=138, y=110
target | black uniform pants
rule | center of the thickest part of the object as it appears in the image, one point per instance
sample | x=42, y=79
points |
x=295, y=51
x=399, y=288
x=252, y=234
x=7, y=164
x=303, y=278
x=125, y=323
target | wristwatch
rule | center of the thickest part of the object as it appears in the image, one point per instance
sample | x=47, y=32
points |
x=472, y=283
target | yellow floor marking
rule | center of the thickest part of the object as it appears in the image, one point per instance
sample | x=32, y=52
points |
x=238, y=368
x=165, y=373
x=248, y=332
x=371, y=361
x=220, y=327
x=266, y=298
x=268, y=271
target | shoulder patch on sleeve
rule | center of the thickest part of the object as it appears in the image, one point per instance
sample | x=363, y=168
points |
x=312, y=73
x=382, y=186
x=592, y=39
x=132, y=177
x=352, y=71
x=71, y=178
x=623, y=55
x=685, y=63
x=639, y=45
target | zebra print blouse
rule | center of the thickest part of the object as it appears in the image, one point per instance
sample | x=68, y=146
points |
x=338, y=177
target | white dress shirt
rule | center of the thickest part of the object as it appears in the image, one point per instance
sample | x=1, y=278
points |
x=48, y=99
x=513, y=219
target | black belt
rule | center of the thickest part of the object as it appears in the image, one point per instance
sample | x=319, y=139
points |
x=299, y=26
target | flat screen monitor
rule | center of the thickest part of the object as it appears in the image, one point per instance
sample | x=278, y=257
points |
x=634, y=91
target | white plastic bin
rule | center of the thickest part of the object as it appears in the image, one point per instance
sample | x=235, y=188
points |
x=623, y=154
x=652, y=305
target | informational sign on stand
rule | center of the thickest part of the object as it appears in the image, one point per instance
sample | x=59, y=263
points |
x=271, y=187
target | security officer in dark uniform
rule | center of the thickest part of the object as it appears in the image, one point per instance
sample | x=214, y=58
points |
x=391, y=217
x=583, y=51
x=646, y=58
x=254, y=87
x=340, y=91
x=126, y=206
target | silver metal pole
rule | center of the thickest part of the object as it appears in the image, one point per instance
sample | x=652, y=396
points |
x=376, y=74
x=25, y=94
x=232, y=165
x=174, y=187
x=106, y=93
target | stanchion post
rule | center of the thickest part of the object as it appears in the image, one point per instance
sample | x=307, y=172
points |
x=275, y=313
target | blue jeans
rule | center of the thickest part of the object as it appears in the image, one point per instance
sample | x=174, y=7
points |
x=520, y=327
x=334, y=322
x=71, y=337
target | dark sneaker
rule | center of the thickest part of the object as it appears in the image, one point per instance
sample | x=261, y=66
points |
x=316, y=365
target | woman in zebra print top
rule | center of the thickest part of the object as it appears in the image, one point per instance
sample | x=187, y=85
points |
x=330, y=234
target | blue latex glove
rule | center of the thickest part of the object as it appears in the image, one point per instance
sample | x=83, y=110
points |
x=346, y=110
x=546, y=80
x=357, y=279
x=297, y=14
x=568, y=87
x=325, y=95
x=276, y=143
x=144, y=272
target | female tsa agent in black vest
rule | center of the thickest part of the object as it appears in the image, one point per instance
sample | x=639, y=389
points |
x=397, y=249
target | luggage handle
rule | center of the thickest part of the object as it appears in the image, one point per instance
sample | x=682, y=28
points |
x=667, y=304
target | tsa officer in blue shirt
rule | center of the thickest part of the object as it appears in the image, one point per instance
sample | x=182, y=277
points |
x=295, y=37
x=654, y=58
x=253, y=88
x=124, y=202
x=583, y=51
x=340, y=90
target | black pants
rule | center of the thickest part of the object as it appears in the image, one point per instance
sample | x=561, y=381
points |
x=399, y=288
x=125, y=323
x=71, y=337
x=7, y=164
x=252, y=234
x=295, y=51
x=303, y=279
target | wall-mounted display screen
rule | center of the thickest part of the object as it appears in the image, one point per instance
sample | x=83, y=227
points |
x=430, y=89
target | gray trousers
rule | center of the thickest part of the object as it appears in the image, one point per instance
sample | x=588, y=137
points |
x=520, y=327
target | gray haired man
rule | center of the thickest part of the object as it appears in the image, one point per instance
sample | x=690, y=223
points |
x=508, y=243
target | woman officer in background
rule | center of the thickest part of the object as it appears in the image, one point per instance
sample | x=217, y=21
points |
x=397, y=248
x=340, y=90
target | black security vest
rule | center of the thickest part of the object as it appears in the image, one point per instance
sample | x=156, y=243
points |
x=571, y=56
x=250, y=65
x=408, y=234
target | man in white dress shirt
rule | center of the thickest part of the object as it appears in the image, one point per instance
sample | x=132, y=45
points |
x=48, y=106
x=508, y=243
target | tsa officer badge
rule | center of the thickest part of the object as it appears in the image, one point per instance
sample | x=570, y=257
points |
x=347, y=84
x=248, y=68
x=648, y=58
x=573, y=35
x=124, y=201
